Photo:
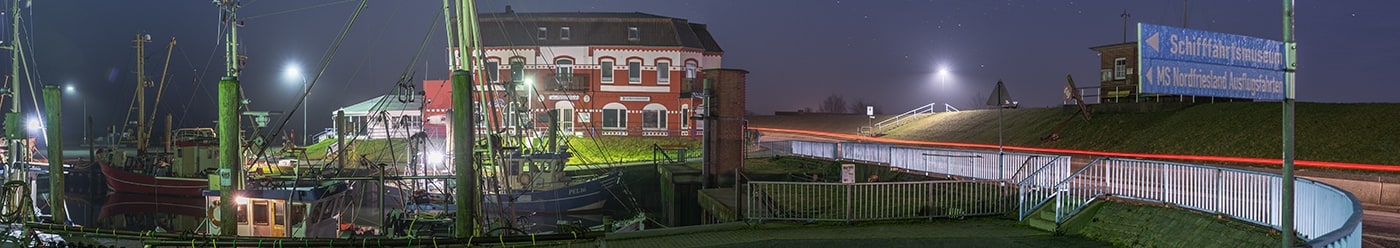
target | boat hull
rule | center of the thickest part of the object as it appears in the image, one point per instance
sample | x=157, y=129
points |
x=119, y=180
x=587, y=196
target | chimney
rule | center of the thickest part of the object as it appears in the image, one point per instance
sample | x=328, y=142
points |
x=509, y=11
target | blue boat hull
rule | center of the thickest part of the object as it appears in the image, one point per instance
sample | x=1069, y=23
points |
x=581, y=197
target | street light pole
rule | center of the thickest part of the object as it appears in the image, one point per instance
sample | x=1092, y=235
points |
x=306, y=92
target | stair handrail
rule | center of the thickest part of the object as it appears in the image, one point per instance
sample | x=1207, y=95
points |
x=1061, y=189
x=1024, y=185
x=880, y=126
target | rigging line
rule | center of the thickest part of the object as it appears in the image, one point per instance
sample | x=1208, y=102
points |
x=412, y=63
x=218, y=39
x=324, y=63
x=296, y=9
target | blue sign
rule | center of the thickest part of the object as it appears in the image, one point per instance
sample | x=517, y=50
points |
x=1193, y=79
x=1182, y=61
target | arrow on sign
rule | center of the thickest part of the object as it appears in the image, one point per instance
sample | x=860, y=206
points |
x=1148, y=77
x=1152, y=42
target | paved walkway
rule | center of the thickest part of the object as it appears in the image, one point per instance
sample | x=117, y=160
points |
x=979, y=232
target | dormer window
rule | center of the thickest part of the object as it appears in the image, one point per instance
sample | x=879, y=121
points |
x=564, y=33
x=543, y=32
x=633, y=34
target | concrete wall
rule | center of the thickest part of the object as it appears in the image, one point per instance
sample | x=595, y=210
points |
x=1371, y=193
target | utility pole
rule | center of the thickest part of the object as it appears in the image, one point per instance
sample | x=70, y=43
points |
x=1290, y=68
x=230, y=176
x=1125, y=16
x=463, y=127
x=15, y=133
x=53, y=105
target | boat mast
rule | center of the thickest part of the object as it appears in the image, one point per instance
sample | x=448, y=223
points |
x=229, y=162
x=140, y=130
x=18, y=149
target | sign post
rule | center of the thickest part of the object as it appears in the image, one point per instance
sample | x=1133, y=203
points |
x=1182, y=61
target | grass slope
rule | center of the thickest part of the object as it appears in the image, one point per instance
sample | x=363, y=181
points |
x=1358, y=133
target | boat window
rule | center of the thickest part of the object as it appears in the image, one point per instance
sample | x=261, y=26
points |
x=242, y=214
x=298, y=213
x=260, y=213
x=279, y=215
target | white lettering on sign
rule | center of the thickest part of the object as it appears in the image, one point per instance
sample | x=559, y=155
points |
x=634, y=99
x=563, y=97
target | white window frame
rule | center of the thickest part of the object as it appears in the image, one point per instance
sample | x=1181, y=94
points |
x=634, y=72
x=658, y=112
x=605, y=70
x=493, y=70
x=1120, y=68
x=634, y=34
x=564, y=67
x=564, y=33
x=619, y=117
x=663, y=72
x=685, y=116
x=690, y=69
x=566, y=116
x=542, y=33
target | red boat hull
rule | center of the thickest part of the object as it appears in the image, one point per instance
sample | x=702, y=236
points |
x=126, y=203
x=119, y=180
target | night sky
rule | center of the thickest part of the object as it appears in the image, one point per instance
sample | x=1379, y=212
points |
x=798, y=52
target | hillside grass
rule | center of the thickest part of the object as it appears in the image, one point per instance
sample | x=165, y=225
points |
x=1357, y=133
x=585, y=150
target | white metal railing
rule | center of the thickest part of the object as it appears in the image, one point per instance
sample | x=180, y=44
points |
x=897, y=120
x=801, y=201
x=1325, y=216
x=814, y=149
x=1039, y=187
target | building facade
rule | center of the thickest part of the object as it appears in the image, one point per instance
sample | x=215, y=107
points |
x=1117, y=72
x=607, y=74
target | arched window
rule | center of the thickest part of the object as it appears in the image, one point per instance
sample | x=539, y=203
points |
x=565, y=68
x=566, y=116
x=614, y=116
x=690, y=68
x=654, y=116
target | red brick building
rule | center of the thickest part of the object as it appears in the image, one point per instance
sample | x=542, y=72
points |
x=608, y=74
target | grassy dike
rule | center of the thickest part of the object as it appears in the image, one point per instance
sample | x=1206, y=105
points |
x=1356, y=133
x=586, y=150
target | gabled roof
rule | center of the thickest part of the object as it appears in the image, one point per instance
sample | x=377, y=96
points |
x=593, y=29
x=383, y=103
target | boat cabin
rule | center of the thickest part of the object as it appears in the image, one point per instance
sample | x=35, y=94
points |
x=298, y=212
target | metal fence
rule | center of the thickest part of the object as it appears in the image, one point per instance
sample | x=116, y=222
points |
x=814, y=149
x=1325, y=215
x=800, y=201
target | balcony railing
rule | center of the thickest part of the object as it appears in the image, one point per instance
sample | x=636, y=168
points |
x=567, y=82
x=692, y=87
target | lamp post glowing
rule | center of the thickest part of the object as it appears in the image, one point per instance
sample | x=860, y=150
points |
x=295, y=72
x=72, y=90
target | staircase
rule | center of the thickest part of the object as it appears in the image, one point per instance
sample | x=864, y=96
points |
x=1043, y=218
x=908, y=116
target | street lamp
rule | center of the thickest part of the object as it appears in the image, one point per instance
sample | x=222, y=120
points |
x=295, y=72
x=73, y=90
